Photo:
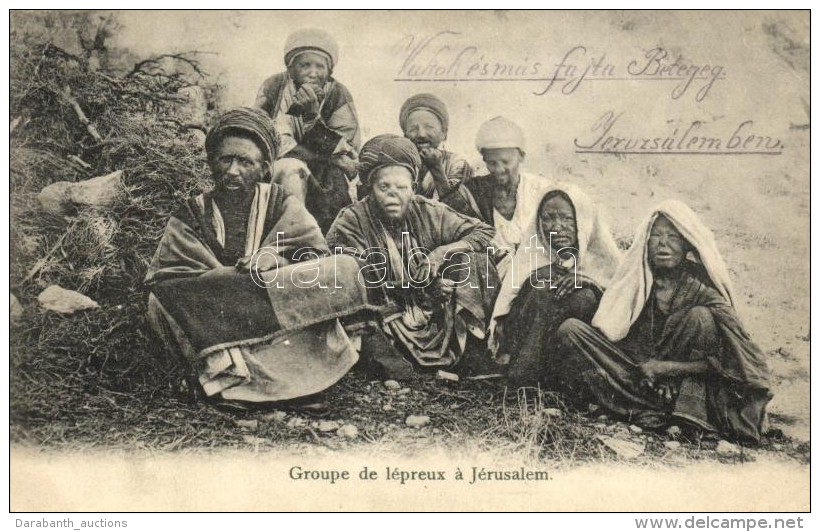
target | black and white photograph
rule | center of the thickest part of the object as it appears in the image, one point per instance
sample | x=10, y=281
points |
x=384, y=260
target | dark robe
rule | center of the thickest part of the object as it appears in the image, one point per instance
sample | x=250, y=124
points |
x=328, y=188
x=427, y=325
x=529, y=328
x=266, y=338
x=473, y=197
x=700, y=325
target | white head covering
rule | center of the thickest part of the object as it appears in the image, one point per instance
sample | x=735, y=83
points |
x=598, y=254
x=311, y=40
x=500, y=132
x=624, y=299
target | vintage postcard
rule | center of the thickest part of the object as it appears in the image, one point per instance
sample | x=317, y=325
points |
x=409, y=261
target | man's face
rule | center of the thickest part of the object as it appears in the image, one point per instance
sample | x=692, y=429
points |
x=666, y=247
x=503, y=163
x=309, y=67
x=424, y=129
x=392, y=191
x=236, y=166
x=558, y=216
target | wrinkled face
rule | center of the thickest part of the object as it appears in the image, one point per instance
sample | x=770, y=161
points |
x=503, y=163
x=424, y=129
x=558, y=216
x=236, y=166
x=392, y=191
x=666, y=247
x=309, y=67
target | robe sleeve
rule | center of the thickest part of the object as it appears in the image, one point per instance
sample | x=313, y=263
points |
x=739, y=359
x=344, y=119
x=457, y=170
x=454, y=226
x=347, y=234
x=267, y=94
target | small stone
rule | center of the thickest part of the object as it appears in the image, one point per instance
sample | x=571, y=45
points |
x=392, y=385
x=365, y=399
x=552, y=412
x=446, y=376
x=387, y=408
x=250, y=424
x=296, y=422
x=403, y=391
x=62, y=301
x=253, y=440
x=622, y=448
x=436, y=431
x=673, y=431
x=635, y=429
x=416, y=422
x=777, y=446
x=603, y=418
x=348, y=431
x=16, y=311
x=329, y=426
x=672, y=445
x=277, y=416
x=727, y=450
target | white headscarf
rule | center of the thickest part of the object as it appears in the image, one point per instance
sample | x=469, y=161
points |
x=624, y=299
x=598, y=255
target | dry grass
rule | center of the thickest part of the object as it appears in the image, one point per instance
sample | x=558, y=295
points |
x=98, y=380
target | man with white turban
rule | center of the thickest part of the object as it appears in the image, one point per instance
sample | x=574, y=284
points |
x=507, y=197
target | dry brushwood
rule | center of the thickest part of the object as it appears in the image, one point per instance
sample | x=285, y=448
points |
x=75, y=118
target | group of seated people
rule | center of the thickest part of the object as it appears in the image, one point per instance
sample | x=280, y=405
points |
x=312, y=253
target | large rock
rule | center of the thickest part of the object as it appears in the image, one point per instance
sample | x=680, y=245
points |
x=16, y=309
x=54, y=198
x=62, y=197
x=58, y=299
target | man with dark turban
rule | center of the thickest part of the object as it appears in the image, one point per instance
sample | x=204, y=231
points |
x=236, y=282
x=424, y=120
x=316, y=121
x=429, y=261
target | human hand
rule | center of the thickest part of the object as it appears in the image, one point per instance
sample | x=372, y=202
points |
x=261, y=262
x=431, y=157
x=653, y=370
x=348, y=162
x=572, y=281
x=307, y=100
